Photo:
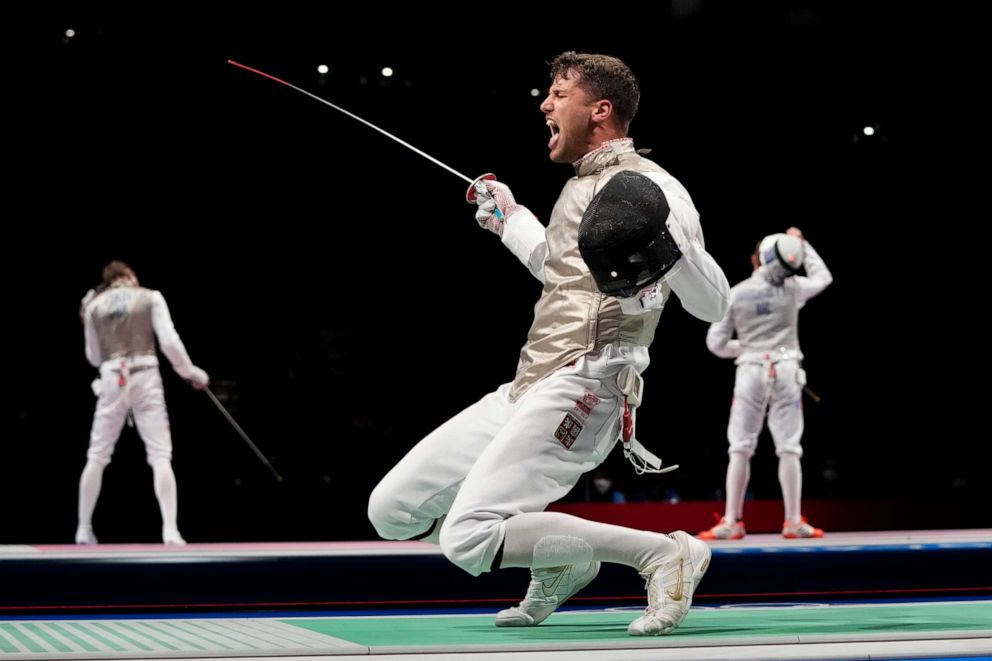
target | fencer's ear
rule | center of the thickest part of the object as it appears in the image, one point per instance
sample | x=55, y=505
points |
x=602, y=110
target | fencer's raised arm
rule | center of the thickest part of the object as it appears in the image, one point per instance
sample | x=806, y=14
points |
x=817, y=278
x=699, y=282
x=718, y=338
x=516, y=226
x=641, y=227
x=171, y=345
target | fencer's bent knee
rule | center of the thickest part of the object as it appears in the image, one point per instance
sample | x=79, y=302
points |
x=154, y=456
x=746, y=449
x=98, y=458
x=390, y=517
x=469, y=543
x=382, y=513
x=101, y=457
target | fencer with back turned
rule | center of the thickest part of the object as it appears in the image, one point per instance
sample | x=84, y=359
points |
x=121, y=323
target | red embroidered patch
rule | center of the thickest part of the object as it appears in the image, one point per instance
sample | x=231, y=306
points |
x=584, y=406
x=568, y=430
x=590, y=399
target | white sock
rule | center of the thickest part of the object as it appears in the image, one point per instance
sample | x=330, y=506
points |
x=563, y=539
x=738, y=476
x=89, y=491
x=165, y=491
x=790, y=477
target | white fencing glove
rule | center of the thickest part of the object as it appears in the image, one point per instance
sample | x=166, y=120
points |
x=496, y=203
x=87, y=299
x=198, y=378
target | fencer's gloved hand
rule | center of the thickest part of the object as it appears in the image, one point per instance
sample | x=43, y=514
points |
x=198, y=378
x=90, y=295
x=496, y=205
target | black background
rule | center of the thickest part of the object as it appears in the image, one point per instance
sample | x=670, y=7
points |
x=342, y=298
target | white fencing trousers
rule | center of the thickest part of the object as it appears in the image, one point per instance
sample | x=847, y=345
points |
x=773, y=388
x=499, y=458
x=144, y=396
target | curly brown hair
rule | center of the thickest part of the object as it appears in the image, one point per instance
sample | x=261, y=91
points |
x=114, y=270
x=603, y=77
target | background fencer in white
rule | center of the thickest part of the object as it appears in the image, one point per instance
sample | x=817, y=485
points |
x=764, y=313
x=121, y=323
x=478, y=484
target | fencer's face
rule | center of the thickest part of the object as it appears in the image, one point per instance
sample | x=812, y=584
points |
x=568, y=112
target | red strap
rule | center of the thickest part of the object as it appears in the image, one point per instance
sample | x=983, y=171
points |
x=771, y=366
x=628, y=423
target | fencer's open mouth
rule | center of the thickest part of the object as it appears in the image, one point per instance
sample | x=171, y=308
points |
x=555, y=132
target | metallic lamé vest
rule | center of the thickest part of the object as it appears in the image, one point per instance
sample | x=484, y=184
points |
x=122, y=319
x=572, y=318
x=765, y=316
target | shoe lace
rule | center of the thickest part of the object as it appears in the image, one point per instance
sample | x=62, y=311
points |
x=655, y=583
x=653, y=589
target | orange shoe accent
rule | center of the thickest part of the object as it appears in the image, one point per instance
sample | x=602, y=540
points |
x=724, y=530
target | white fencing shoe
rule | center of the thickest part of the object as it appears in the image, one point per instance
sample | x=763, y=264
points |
x=84, y=535
x=670, y=584
x=801, y=530
x=724, y=530
x=172, y=536
x=549, y=588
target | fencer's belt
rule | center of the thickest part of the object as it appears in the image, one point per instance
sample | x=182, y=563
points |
x=124, y=370
x=124, y=367
x=768, y=357
x=130, y=363
x=130, y=369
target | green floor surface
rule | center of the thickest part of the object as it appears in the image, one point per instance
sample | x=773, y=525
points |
x=573, y=628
